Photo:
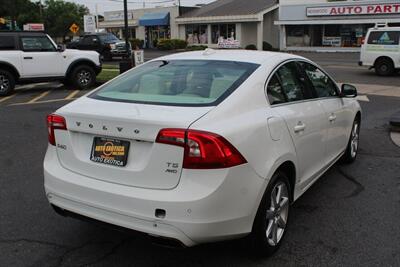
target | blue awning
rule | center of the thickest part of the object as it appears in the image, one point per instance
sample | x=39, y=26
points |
x=154, y=19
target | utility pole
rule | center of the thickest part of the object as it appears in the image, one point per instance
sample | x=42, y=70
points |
x=97, y=18
x=126, y=28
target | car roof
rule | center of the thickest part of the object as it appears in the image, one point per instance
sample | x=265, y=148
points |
x=238, y=55
x=385, y=29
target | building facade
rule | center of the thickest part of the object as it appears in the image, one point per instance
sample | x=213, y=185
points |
x=226, y=23
x=148, y=24
x=336, y=25
x=231, y=23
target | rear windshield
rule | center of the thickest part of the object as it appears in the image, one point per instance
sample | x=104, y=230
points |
x=178, y=82
x=384, y=38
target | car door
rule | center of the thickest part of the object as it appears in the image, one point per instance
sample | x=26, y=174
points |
x=40, y=57
x=328, y=94
x=90, y=42
x=291, y=99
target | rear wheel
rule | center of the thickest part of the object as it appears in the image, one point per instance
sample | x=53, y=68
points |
x=83, y=77
x=384, y=67
x=272, y=216
x=351, y=152
x=7, y=82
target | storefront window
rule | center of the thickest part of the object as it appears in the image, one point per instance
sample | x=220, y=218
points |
x=224, y=31
x=337, y=35
x=196, y=34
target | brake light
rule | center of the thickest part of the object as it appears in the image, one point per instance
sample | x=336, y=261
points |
x=202, y=150
x=362, y=40
x=55, y=122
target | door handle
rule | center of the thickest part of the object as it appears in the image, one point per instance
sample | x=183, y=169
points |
x=299, y=127
x=28, y=57
x=332, y=117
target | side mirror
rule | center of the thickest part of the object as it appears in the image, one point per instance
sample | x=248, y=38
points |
x=61, y=47
x=348, y=90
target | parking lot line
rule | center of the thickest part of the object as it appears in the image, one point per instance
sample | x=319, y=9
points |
x=38, y=97
x=42, y=102
x=72, y=95
x=7, y=97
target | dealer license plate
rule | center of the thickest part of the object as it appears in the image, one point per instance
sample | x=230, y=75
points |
x=110, y=151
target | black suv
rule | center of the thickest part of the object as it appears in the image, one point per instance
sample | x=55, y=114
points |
x=106, y=44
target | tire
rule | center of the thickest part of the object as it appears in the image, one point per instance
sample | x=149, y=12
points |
x=272, y=218
x=384, y=67
x=7, y=82
x=83, y=77
x=351, y=152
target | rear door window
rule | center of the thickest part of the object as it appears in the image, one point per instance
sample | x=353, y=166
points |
x=292, y=82
x=275, y=91
x=7, y=42
x=178, y=82
x=384, y=38
x=323, y=85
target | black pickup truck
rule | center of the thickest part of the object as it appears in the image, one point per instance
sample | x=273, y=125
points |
x=106, y=44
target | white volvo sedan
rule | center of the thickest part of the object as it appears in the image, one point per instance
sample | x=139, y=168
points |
x=202, y=146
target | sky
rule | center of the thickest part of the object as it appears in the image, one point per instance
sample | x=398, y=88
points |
x=110, y=5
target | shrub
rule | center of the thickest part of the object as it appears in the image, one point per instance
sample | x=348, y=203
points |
x=136, y=43
x=251, y=47
x=196, y=47
x=268, y=47
x=171, y=44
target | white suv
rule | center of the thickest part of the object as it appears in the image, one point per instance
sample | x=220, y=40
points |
x=34, y=57
x=381, y=50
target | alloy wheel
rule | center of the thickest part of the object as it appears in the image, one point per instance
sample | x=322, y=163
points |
x=4, y=83
x=354, y=140
x=277, y=214
x=84, y=77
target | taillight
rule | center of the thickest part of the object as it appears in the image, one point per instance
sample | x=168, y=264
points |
x=362, y=40
x=55, y=122
x=202, y=150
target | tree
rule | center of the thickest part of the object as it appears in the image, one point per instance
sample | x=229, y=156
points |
x=60, y=15
x=21, y=11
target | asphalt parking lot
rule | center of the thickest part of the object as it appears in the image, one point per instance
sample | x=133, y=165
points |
x=350, y=217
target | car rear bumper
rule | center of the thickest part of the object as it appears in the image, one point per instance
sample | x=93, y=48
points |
x=205, y=206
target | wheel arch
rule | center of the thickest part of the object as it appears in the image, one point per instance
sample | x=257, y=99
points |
x=383, y=58
x=289, y=169
x=77, y=63
x=7, y=66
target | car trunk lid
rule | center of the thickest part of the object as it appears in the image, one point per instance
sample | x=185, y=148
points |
x=148, y=165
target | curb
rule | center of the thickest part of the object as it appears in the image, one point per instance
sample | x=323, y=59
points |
x=395, y=121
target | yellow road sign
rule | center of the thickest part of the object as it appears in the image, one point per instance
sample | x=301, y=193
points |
x=2, y=21
x=74, y=28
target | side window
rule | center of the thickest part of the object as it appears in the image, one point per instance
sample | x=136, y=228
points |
x=291, y=82
x=275, y=91
x=384, y=38
x=37, y=44
x=7, y=43
x=322, y=84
